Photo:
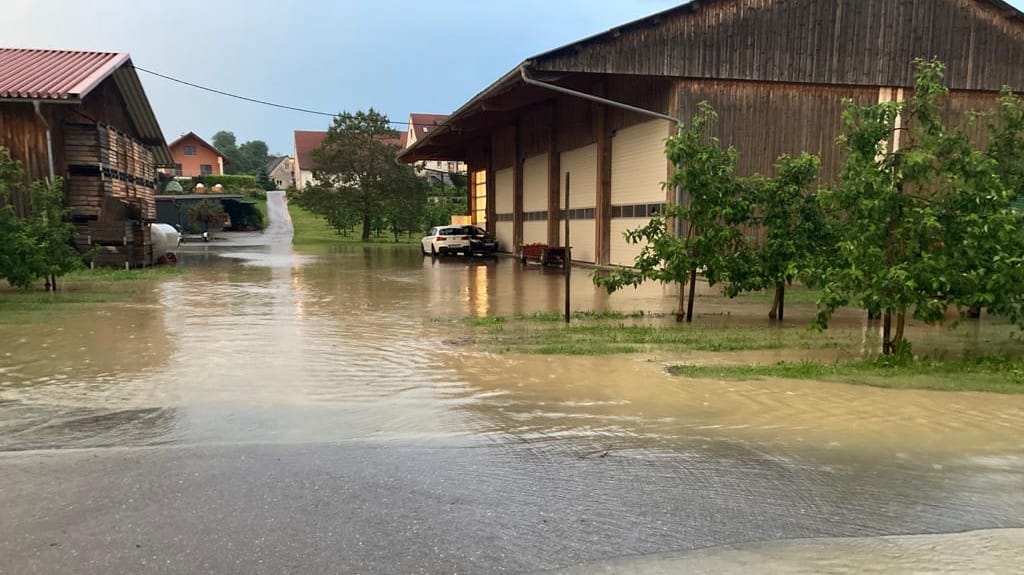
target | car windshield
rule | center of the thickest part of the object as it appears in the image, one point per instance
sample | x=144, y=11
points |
x=450, y=232
x=474, y=231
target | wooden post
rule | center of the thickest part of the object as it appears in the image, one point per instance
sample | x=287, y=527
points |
x=517, y=190
x=568, y=253
x=693, y=293
x=603, y=227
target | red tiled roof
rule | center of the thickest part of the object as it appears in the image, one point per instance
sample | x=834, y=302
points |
x=193, y=136
x=403, y=140
x=422, y=123
x=305, y=143
x=54, y=74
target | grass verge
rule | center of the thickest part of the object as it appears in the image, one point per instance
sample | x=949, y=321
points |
x=988, y=374
x=615, y=333
x=311, y=230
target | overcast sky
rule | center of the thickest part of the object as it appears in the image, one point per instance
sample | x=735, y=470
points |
x=399, y=56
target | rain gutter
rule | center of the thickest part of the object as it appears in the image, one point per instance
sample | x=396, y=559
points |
x=49, y=139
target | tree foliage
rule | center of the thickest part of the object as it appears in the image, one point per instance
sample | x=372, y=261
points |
x=925, y=220
x=38, y=245
x=722, y=216
x=360, y=179
x=247, y=158
x=706, y=171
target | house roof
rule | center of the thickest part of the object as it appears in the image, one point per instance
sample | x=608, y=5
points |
x=403, y=140
x=68, y=76
x=193, y=136
x=428, y=146
x=305, y=143
x=422, y=123
x=274, y=162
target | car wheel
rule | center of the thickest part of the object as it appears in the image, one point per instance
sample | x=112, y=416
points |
x=433, y=251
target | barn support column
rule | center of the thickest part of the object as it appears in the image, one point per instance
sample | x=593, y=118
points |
x=489, y=210
x=517, y=190
x=603, y=213
x=554, y=178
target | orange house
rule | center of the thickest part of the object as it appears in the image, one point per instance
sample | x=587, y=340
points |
x=193, y=156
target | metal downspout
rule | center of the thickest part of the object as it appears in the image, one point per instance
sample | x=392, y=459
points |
x=49, y=140
x=607, y=102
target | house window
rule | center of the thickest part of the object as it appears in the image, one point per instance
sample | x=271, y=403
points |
x=177, y=170
x=190, y=150
x=480, y=198
x=205, y=169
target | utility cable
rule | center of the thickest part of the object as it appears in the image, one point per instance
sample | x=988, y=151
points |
x=245, y=98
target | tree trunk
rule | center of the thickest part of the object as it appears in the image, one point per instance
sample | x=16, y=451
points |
x=897, y=338
x=693, y=293
x=887, y=332
x=53, y=282
x=778, y=311
x=681, y=312
x=366, y=228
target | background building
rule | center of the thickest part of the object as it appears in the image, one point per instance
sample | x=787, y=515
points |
x=435, y=171
x=194, y=156
x=776, y=71
x=281, y=171
x=305, y=143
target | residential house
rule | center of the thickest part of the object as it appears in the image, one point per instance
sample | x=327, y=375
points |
x=281, y=171
x=777, y=72
x=84, y=117
x=305, y=143
x=194, y=156
x=436, y=171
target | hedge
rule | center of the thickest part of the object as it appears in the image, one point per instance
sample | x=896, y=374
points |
x=231, y=182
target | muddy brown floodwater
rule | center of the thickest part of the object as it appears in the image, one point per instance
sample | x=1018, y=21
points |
x=263, y=345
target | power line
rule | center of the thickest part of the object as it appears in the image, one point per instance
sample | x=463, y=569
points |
x=245, y=98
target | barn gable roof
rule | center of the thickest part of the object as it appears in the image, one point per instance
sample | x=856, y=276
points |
x=68, y=76
x=845, y=42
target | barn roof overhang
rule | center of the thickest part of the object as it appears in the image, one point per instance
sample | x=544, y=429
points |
x=495, y=106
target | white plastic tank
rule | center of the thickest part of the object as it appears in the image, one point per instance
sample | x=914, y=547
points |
x=165, y=240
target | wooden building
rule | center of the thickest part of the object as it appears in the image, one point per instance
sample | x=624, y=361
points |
x=776, y=71
x=84, y=117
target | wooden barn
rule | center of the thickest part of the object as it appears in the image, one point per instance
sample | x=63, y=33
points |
x=776, y=71
x=84, y=117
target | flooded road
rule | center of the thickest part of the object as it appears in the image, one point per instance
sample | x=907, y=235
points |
x=281, y=410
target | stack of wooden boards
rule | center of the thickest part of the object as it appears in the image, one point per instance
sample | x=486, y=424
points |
x=111, y=193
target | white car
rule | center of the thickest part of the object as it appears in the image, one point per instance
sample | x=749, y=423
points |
x=445, y=240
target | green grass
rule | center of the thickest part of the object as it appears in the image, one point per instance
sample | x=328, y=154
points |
x=794, y=296
x=614, y=333
x=311, y=230
x=989, y=374
x=108, y=275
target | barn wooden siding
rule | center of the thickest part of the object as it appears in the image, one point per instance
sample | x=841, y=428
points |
x=764, y=121
x=109, y=175
x=860, y=42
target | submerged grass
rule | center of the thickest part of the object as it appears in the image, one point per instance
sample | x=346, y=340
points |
x=79, y=292
x=1001, y=374
x=311, y=229
x=618, y=333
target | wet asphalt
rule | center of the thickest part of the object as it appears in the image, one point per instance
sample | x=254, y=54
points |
x=438, y=507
